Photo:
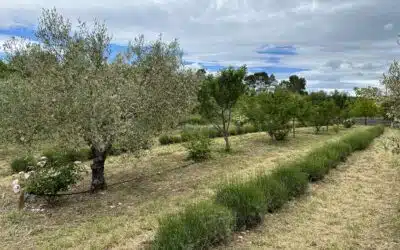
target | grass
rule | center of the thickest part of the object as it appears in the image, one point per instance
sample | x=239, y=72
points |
x=355, y=207
x=126, y=216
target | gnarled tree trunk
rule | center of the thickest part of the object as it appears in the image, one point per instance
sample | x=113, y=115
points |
x=98, y=180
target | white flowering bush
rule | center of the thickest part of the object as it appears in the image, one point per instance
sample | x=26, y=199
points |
x=348, y=123
x=48, y=179
x=52, y=179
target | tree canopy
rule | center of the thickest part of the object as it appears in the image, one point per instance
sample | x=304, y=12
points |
x=68, y=89
x=295, y=84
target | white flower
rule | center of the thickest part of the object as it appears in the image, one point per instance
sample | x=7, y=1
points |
x=43, y=158
x=26, y=175
x=15, y=182
x=16, y=188
x=41, y=164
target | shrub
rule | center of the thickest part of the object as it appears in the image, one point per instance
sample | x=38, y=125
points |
x=186, y=134
x=52, y=178
x=281, y=134
x=199, y=226
x=348, y=123
x=275, y=192
x=249, y=129
x=247, y=202
x=118, y=150
x=295, y=181
x=165, y=139
x=315, y=166
x=198, y=147
x=233, y=131
x=336, y=128
x=64, y=157
x=24, y=164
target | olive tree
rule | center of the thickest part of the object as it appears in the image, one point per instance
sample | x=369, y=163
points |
x=391, y=81
x=69, y=90
x=217, y=97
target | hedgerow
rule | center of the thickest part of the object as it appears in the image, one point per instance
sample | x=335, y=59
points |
x=244, y=204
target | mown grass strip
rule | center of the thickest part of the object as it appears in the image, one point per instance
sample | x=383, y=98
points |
x=242, y=205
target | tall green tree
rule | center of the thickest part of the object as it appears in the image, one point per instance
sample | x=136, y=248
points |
x=68, y=91
x=259, y=81
x=364, y=107
x=217, y=97
x=299, y=110
x=368, y=92
x=295, y=84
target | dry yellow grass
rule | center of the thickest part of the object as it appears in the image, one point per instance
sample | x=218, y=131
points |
x=355, y=207
x=125, y=216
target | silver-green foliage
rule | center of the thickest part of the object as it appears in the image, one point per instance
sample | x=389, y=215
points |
x=68, y=89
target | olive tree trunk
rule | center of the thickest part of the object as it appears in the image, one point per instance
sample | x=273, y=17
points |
x=98, y=180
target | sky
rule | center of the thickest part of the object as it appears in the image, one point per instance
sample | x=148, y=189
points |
x=334, y=44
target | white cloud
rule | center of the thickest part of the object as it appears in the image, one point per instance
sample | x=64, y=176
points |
x=388, y=26
x=342, y=42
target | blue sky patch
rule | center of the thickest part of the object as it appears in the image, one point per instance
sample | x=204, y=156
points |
x=24, y=32
x=277, y=50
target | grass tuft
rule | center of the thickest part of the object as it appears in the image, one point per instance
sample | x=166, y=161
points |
x=199, y=226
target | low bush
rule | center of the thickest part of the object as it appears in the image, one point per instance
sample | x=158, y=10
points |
x=295, y=181
x=165, y=139
x=250, y=129
x=198, y=147
x=281, y=134
x=199, y=226
x=336, y=128
x=52, y=178
x=315, y=166
x=348, y=123
x=233, y=131
x=24, y=164
x=247, y=202
x=211, y=132
x=118, y=150
x=64, y=157
x=274, y=191
x=361, y=139
x=194, y=120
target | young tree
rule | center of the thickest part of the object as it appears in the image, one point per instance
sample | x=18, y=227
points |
x=299, y=110
x=270, y=112
x=323, y=110
x=341, y=100
x=218, y=95
x=70, y=91
x=364, y=107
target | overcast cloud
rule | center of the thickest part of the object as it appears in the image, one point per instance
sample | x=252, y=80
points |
x=334, y=44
